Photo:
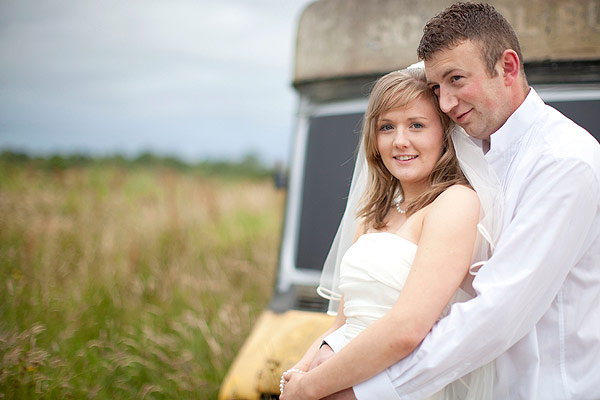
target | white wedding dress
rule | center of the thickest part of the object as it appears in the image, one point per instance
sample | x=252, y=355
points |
x=372, y=274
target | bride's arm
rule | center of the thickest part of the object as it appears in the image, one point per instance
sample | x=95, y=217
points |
x=440, y=265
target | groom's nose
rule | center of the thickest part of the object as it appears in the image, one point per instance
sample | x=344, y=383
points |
x=447, y=100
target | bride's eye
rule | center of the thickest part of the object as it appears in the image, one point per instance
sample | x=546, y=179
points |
x=386, y=127
x=417, y=125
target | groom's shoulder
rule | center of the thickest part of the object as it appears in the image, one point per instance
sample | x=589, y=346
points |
x=561, y=139
x=561, y=131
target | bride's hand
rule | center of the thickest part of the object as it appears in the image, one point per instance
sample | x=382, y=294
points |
x=291, y=386
x=294, y=390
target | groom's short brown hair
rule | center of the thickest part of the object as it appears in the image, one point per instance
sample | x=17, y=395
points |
x=477, y=22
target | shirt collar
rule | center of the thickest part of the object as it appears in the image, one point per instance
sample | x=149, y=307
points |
x=506, y=140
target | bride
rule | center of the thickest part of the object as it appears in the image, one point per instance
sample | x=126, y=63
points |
x=420, y=232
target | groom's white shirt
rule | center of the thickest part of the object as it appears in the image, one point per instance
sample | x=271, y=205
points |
x=538, y=305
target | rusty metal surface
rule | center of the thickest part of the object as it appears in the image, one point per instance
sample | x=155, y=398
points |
x=276, y=343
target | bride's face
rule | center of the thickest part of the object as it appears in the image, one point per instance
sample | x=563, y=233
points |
x=409, y=140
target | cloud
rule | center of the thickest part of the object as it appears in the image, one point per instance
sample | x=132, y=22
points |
x=169, y=75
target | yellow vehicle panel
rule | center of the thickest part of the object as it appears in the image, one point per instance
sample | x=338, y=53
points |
x=276, y=343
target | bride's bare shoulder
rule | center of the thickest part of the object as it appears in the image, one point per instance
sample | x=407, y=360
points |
x=460, y=190
x=458, y=199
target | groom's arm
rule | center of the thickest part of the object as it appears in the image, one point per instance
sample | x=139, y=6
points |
x=548, y=234
x=335, y=340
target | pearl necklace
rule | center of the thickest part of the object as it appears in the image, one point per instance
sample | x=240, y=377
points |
x=400, y=210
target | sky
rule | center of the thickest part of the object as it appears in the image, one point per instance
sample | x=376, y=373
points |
x=196, y=79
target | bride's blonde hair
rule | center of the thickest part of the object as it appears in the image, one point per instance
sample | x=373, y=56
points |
x=397, y=89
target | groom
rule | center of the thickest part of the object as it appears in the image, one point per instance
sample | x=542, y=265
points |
x=537, y=310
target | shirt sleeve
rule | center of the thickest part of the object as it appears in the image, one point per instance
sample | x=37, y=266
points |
x=335, y=339
x=546, y=236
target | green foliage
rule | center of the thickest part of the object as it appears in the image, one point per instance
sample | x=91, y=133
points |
x=125, y=283
x=250, y=166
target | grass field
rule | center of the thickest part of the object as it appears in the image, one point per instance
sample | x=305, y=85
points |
x=129, y=283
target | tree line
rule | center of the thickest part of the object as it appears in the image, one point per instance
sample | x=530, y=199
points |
x=249, y=166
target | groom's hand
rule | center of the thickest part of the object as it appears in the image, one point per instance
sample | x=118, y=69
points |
x=324, y=353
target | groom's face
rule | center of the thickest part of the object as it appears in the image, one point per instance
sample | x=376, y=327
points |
x=466, y=92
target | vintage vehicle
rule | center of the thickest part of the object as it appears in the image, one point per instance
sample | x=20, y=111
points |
x=343, y=46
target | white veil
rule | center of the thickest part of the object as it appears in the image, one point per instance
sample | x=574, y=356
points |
x=478, y=173
x=330, y=277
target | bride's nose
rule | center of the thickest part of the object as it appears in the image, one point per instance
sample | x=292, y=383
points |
x=400, y=138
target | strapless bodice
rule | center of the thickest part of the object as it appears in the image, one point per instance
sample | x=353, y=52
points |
x=372, y=274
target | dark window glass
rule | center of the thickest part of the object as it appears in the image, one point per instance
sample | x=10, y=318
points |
x=330, y=156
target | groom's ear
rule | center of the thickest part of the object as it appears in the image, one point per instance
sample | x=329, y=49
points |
x=509, y=66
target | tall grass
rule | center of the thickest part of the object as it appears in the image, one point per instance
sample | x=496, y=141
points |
x=128, y=284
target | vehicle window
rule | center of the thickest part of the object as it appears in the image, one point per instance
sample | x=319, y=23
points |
x=330, y=156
